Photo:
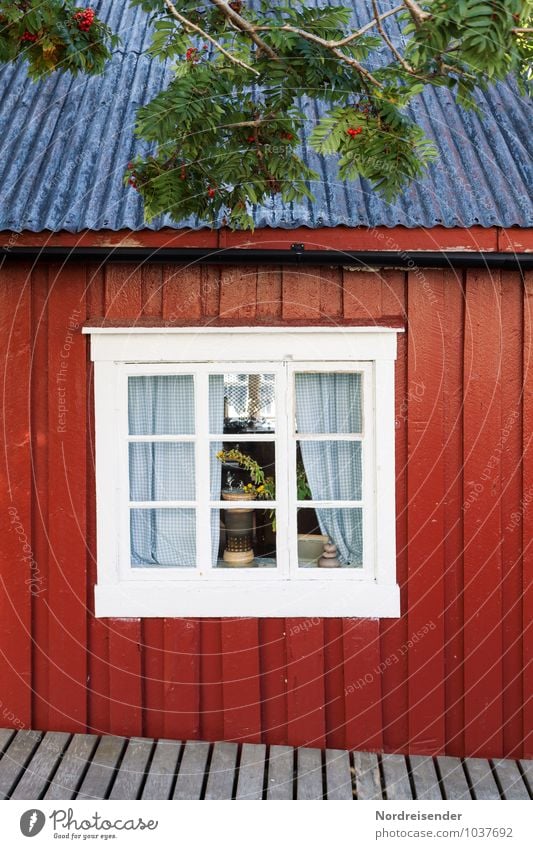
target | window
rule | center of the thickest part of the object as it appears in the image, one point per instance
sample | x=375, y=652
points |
x=245, y=471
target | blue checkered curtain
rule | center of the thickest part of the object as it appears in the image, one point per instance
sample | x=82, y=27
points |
x=331, y=403
x=164, y=405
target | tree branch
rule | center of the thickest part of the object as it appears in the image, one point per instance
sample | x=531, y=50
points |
x=370, y=25
x=329, y=45
x=244, y=26
x=388, y=42
x=189, y=25
x=416, y=12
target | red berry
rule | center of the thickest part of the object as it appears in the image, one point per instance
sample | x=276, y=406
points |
x=250, y=139
x=211, y=192
x=354, y=131
x=29, y=36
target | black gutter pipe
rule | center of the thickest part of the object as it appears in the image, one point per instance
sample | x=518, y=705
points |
x=296, y=255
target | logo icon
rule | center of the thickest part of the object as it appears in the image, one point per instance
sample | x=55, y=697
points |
x=32, y=822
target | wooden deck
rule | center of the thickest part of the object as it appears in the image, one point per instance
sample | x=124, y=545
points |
x=60, y=766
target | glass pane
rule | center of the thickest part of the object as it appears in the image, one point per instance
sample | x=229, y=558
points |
x=246, y=470
x=242, y=403
x=329, y=471
x=329, y=402
x=247, y=538
x=330, y=538
x=162, y=471
x=161, y=404
x=163, y=537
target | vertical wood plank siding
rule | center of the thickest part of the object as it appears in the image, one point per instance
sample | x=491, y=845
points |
x=452, y=675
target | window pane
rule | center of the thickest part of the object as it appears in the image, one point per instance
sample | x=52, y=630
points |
x=329, y=471
x=247, y=538
x=163, y=537
x=162, y=471
x=242, y=403
x=246, y=470
x=330, y=537
x=328, y=402
x=161, y=404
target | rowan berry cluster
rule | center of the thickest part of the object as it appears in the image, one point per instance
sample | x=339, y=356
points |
x=84, y=19
x=29, y=36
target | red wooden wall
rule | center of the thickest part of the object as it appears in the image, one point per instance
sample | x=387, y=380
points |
x=453, y=674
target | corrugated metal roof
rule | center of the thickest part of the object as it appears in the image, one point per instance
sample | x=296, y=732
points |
x=65, y=144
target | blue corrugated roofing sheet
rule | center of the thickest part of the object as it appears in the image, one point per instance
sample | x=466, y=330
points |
x=65, y=144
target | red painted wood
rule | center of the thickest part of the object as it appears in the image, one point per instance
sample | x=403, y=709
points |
x=241, y=692
x=338, y=238
x=482, y=519
x=269, y=282
x=161, y=678
x=394, y=632
x=153, y=671
x=273, y=659
x=362, y=295
x=334, y=683
x=123, y=296
x=453, y=341
x=19, y=566
x=182, y=293
x=526, y=512
x=393, y=304
x=98, y=629
x=211, y=703
x=39, y=460
x=66, y=598
x=301, y=294
x=181, y=673
x=238, y=293
x=306, y=720
x=125, y=681
x=152, y=290
x=511, y=467
x=210, y=291
x=331, y=293
x=363, y=675
x=425, y=519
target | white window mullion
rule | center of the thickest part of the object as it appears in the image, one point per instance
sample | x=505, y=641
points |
x=282, y=474
x=203, y=474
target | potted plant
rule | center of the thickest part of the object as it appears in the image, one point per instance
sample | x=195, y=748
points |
x=239, y=520
x=259, y=486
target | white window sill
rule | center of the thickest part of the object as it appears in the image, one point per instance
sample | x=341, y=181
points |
x=268, y=598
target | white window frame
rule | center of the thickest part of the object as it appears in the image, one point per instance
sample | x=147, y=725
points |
x=122, y=591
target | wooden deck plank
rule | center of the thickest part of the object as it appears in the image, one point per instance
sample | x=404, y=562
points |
x=481, y=779
x=510, y=778
x=251, y=771
x=527, y=769
x=131, y=774
x=367, y=780
x=42, y=766
x=162, y=770
x=425, y=777
x=280, y=784
x=6, y=735
x=15, y=758
x=453, y=778
x=74, y=764
x=222, y=771
x=101, y=772
x=192, y=770
x=309, y=774
x=338, y=775
x=397, y=784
